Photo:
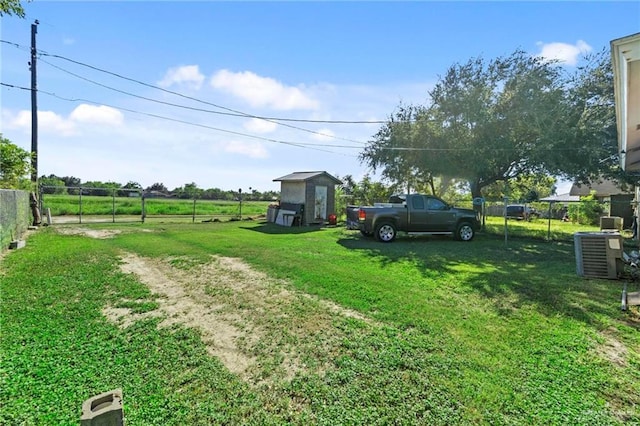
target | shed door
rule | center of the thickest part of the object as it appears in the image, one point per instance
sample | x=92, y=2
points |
x=321, y=203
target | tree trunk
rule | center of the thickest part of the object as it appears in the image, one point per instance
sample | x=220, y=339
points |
x=476, y=192
x=476, y=189
x=433, y=187
x=35, y=211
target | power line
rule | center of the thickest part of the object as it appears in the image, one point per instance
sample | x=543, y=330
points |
x=233, y=111
x=193, y=108
x=296, y=144
x=209, y=103
x=307, y=145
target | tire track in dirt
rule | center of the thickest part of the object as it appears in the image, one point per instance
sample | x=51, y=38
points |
x=256, y=326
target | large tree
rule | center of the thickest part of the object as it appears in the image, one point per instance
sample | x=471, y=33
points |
x=586, y=147
x=487, y=122
x=524, y=188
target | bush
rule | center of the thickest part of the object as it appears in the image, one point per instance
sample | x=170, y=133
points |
x=588, y=211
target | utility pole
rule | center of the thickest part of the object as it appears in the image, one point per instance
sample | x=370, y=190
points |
x=33, y=198
x=34, y=105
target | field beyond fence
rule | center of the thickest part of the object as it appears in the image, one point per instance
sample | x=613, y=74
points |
x=135, y=208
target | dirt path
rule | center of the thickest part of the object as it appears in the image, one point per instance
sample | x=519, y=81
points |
x=259, y=328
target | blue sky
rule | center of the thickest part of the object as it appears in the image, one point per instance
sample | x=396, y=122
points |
x=318, y=62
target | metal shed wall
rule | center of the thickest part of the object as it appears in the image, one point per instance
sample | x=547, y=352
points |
x=293, y=192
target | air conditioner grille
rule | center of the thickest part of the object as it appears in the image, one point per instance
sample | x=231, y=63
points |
x=596, y=254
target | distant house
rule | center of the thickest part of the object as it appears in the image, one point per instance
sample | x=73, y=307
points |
x=312, y=194
x=157, y=194
x=618, y=197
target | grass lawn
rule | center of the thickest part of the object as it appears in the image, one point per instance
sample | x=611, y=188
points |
x=325, y=328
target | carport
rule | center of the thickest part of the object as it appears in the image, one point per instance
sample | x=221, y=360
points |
x=562, y=198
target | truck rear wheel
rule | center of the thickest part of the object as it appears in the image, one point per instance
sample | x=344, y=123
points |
x=465, y=232
x=386, y=232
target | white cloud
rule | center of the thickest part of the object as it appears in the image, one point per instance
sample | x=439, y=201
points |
x=263, y=91
x=52, y=122
x=96, y=115
x=68, y=41
x=187, y=75
x=563, y=52
x=257, y=125
x=48, y=121
x=249, y=149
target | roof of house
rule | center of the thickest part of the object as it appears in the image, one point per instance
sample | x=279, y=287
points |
x=305, y=176
x=604, y=188
x=561, y=198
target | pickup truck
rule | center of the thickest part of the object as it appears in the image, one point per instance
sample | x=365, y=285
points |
x=414, y=214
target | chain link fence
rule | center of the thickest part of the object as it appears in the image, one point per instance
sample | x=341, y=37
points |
x=65, y=205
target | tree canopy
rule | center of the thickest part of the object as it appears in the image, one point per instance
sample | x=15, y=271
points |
x=11, y=7
x=588, y=144
x=493, y=121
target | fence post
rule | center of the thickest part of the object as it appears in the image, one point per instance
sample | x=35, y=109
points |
x=113, y=205
x=549, y=222
x=506, y=226
x=80, y=205
x=193, y=219
x=144, y=211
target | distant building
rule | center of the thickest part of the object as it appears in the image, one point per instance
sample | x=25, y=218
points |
x=157, y=194
x=312, y=192
x=619, y=198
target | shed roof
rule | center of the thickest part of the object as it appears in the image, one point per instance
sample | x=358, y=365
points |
x=305, y=176
x=604, y=188
x=561, y=198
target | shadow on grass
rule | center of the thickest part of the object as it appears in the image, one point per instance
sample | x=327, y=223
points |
x=522, y=272
x=273, y=229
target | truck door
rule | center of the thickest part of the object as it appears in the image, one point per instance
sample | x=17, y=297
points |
x=439, y=216
x=418, y=220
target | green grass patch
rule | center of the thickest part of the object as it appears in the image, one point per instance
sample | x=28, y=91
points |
x=464, y=333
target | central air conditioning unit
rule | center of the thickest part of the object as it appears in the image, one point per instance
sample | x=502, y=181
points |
x=598, y=254
x=611, y=223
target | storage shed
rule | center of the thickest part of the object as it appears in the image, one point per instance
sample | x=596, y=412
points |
x=618, y=197
x=311, y=194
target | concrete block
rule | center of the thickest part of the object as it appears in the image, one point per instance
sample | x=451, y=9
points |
x=17, y=244
x=103, y=410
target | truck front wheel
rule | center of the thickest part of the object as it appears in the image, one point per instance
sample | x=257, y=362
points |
x=465, y=232
x=386, y=232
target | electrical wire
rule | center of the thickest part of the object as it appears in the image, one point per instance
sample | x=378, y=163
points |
x=240, y=113
x=193, y=108
x=296, y=144
x=232, y=112
x=307, y=145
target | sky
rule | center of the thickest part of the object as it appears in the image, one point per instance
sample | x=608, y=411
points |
x=236, y=94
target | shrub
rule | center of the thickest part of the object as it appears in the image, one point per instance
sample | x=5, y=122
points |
x=588, y=211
